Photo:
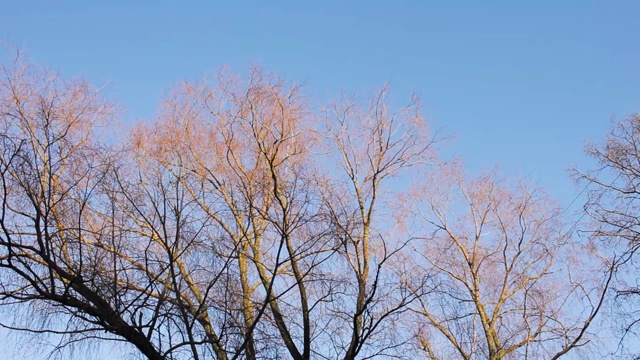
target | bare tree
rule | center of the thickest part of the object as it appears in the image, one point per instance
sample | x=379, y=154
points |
x=505, y=278
x=240, y=224
x=216, y=231
x=613, y=206
x=370, y=144
x=50, y=172
x=242, y=146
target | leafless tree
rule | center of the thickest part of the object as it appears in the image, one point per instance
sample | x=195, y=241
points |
x=51, y=172
x=505, y=278
x=613, y=206
x=241, y=223
x=242, y=147
x=371, y=144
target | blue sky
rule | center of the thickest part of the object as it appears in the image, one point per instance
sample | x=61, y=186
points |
x=520, y=85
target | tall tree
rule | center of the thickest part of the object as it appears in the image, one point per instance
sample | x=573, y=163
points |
x=51, y=172
x=613, y=204
x=505, y=279
x=241, y=223
x=371, y=144
x=220, y=230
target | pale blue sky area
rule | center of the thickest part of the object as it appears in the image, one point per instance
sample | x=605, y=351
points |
x=521, y=84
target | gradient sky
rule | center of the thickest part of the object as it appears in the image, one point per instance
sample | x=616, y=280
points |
x=523, y=86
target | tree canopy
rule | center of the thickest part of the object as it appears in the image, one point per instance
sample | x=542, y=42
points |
x=246, y=222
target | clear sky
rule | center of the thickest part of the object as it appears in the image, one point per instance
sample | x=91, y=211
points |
x=521, y=84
